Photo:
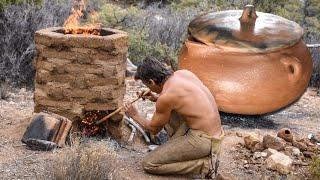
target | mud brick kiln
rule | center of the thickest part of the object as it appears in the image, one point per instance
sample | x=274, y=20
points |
x=78, y=73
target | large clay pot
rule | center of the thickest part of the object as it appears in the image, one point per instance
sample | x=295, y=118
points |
x=253, y=63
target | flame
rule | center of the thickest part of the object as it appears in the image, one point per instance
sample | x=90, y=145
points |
x=73, y=26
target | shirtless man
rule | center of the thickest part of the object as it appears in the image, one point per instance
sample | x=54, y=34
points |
x=187, y=110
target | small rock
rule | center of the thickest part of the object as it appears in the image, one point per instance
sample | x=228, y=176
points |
x=280, y=162
x=308, y=154
x=300, y=145
x=312, y=147
x=258, y=155
x=239, y=145
x=152, y=147
x=253, y=143
x=299, y=163
x=238, y=134
x=264, y=154
x=270, y=151
x=273, y=142
x=292, y=151
x=285, y=134
x=226, y=127
x=22, y=90
x=258, y=147
x=301, y=157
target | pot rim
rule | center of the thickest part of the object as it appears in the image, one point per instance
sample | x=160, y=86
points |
x=229, y=50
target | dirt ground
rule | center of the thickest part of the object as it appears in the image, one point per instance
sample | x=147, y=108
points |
x=303, y=117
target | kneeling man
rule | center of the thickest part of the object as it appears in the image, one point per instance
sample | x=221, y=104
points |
x=188, y=112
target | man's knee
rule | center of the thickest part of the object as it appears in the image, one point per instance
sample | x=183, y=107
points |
x=149, y=166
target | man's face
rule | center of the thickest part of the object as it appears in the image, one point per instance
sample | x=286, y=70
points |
x=152, y=86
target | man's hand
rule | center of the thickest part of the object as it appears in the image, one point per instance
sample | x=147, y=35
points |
x=151, y=96
x=130, y=110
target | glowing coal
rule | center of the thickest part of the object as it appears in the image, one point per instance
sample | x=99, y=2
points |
x=88, y=127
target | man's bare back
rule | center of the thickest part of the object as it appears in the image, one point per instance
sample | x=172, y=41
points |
x=191, y=99
x=195, y=139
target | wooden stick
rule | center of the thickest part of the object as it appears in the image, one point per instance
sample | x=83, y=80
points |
x=120, y=108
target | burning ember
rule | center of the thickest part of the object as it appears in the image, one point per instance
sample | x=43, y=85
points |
x=87, y=123
x=73, y=26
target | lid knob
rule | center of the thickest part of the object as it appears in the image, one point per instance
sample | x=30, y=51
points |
x=248, y=19
x=248, y=14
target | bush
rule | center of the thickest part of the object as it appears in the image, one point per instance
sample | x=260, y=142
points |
x=4, y=3
x=185, y=4
x=139, y=48
x=315, y=167
x=116, y=17
x=89, y=160
x=152, y=31
x=18, y=22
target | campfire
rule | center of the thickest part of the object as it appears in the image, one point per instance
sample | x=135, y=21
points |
x=73, y=24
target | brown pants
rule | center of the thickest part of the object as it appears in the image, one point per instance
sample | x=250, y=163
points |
x=188, y=151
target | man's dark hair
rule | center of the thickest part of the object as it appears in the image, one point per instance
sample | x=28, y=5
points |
x=151, y=68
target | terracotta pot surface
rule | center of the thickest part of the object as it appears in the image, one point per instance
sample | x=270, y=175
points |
x=249, y=80
x=248, y=83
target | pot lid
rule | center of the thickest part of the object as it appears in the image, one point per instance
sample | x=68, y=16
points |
x=246, y=30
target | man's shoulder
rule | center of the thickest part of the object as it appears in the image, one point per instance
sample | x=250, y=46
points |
x=165, y=101
x=164, y=97
x=186, y=75
x=183, y=71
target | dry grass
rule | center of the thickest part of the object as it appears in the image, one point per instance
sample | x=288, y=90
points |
x=83, y=160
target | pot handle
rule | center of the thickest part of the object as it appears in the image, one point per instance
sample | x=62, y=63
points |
x=294, y=67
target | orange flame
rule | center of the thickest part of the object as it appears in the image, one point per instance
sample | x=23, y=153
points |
x=73, y=26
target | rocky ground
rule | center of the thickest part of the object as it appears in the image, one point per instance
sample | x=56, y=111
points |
x=237, y=162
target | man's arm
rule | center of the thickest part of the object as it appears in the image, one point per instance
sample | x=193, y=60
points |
x=159, y=119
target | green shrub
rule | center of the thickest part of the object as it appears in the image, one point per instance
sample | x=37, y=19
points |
x=201, y=6
x=290, y=9
x=114, y=16
x=4, y=3
x=185, y=4
x=139, y=47
x=226, y=5
x=315, y=167
x=141, y=26
x=7, y=2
